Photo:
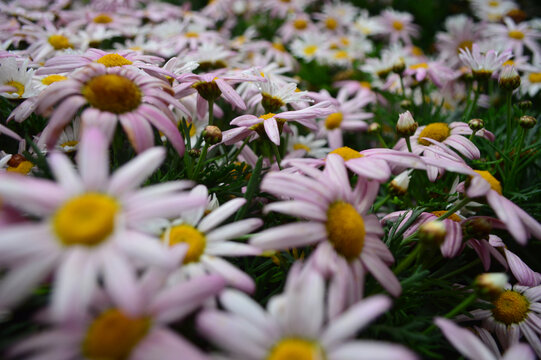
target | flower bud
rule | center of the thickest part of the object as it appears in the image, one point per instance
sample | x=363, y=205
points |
x=476, y=228
x=399, y=66
x=476, y=124
x=399, y=185
x=406, y=104
x=374, y=128
x=525, y=104
x=490, y=285
x=527, y=121
x=195, y=153
x=432, y=233
x=509, y=78
x=406, y=125
x=212, y=134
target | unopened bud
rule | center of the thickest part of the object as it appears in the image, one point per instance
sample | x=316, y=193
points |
x=406, y=125
x=476, y=228
x=399, y=66
x=195, y=153
x=399, y=185
x=208, y=90
x=432, y=233
x=509, y=78
x=212, y=134
x=406, y=104
x=476, y=124
x=374, y=128
x=525, y=104
x=490, y=285
x=527, y=121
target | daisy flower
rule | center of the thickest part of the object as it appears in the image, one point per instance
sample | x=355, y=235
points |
x=336, y=15
x=113, y=94
x=16, y=78
x=519, y=224
x=337, y=220
x=275, y=94
x=516, y=37
x=88, y=226
x=483, y=64
x=368, y=25
x=269, y=126
x=461, y=33
x=295, y=326
x=515, y=313
x=295, y=25
x=398, y=26
x=436, y=71
x=95, y=22
x=492, y=10
x=208, y=242
x=531, y=81
x=308, y=145
x=109, y=332
x=471, y=346
x=309, y=46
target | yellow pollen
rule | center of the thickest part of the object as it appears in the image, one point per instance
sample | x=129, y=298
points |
x=71, y=143
x=52, y=79
x=300, y=24
x=494, y=184
x=111, y=60
x=417, y=51
x=436, y=131
x=194, y=238
x=493, y=3
x=113, y=335
x=191, y=34
x=334, y=120
x=510, y=307
x=347, y=153
x=535, y=77
x=365, y=84
x=267, y=116
x=508, y=63
x=23, y=167
x=17, y=85
x=193, y=129
x=466, y=44
x=331, y=23
x=102, y=19
x=87, y=219
x=516, y=34
x=136, y=48
x=301, y=147
x=59, y=42
x=113, y=93
x=453, y=217
x=345, y=229
x=341, y=54
x=397, y=25
x=279, y=46
x=310, y=50
x=297, y=349
x=419, y=66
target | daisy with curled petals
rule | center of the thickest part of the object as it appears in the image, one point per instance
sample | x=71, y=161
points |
x=113, y=94
x=208, y=242
x=519, y=224
x=108, y=331
x=270, y=125
x=295, y=325
x=461, y=32
x=515, y=313
x=471, y=346
x=337, y=221
x=88, y=228
x=376, y=164
x=483, y=64
x=516, y=37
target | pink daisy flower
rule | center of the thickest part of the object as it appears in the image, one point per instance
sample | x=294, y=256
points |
x=471, y=346
x=337, y=220
x=461, y=33
x=295, y=325
x=88, y=229
x=436, y=71
x=113, y=94
x=516, y=37
x=398, y=26
x=110, y=332
x=483, y=64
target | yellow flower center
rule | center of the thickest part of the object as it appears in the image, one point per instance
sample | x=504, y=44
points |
x=48, y=80
x=87, y=219
x=301, y=147
x=493, y=3
x=417, y=51
x=267, y=116
x=341, y=54
x=23, y=167
x=494, y=184
x=419, y=66
x=365, y=84
x=17, y=85
x=71, y=143
x=466, y=44
x=534, y=77
x=102, y=19
x=111, y=60
x=510, y=307
x=397, y=25
x=59, y=42
x=300, y=24
x=516, y=34
x=436, y=131
x=453, y=217
x=508, y=63
x=195, y=239
x=331, y=23
x=191, y=34
x=113, y=93
x=296, y=349
x=345, y=229
x=334, y=120
x=279, y=46
x=113, y=335
x=310, y=50
x=347, y=153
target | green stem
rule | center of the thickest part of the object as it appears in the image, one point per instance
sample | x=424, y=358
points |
x=509, y=119
x=455, y=208
x=408, y=260
x=239, y=150
x=472, y=135
x=382, y=141
x=402, y=87
x=408, y=143
x=517, y=154
x=276, y=154
x=460, y=270
x=211, y=112
x=381, y=202
x=473, y=104
x=200, y=161
x=457, y=310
